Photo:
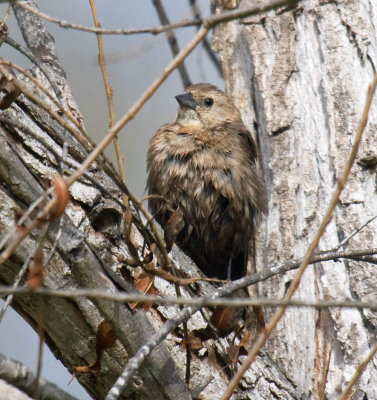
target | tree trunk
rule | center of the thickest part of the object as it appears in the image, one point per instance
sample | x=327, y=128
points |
x=300, y=77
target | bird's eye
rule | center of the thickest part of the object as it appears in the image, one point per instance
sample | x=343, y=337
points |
x=208, y=102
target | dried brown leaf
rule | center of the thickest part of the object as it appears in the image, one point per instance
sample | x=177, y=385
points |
x=144, y=283
x=35, y=276
x=63, y=196
x=195, y=340
x=9, y=88
x=105, y=338
x=127, y=220
x=223, y=320
x=11, y=95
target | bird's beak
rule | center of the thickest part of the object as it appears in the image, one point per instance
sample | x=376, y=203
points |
x=186, y=100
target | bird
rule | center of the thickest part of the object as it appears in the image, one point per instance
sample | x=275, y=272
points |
x=205, y=165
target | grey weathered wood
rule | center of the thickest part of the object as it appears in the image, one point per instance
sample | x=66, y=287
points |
x=19, y=376
x=300, y=79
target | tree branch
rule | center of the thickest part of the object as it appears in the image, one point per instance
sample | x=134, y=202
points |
x=212, y=21
x=19, y=376
x=172, y=40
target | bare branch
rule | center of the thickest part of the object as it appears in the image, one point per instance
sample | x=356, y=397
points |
x=109, y=97
x=27, y=53
x=200, y=302
x=172, y=40
x=359, y=371
x=211, y=21
x=207, y=46
x=355, y=232
x=18, y=375
x=78, y=134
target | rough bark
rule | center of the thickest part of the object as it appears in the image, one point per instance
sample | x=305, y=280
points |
x=300, y=78
x=89, y=252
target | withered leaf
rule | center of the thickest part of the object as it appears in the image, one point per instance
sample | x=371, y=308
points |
x=223, y=320
x=62, y=194
x=195, y=341
x=105, y=338
x=144, y=283
x=127, y=220
x=35, y=276
x=62, y=198
x=9, y=88
x=12, y=92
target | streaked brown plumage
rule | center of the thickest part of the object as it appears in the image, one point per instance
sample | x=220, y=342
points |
x=205, y=164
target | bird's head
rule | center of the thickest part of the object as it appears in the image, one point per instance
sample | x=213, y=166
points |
x=204, y=106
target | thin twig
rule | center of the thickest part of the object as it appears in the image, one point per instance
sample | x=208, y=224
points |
x=200, y=302
x=110, y=98
x=37, y=100
x=45, y=91
x=17, y=281
x=6, y=16
x=211, y=21
x=103, y=31
x=207, y=46
x=326, y=369
x=40, y=330
x=22, y=271
x=355, y=232
x=172, y=40
x=297, y=279
x=27, y=53
x=20, y=376
x=346, y=395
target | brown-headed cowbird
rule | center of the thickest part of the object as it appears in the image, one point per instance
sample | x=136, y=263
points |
x=205, y=164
